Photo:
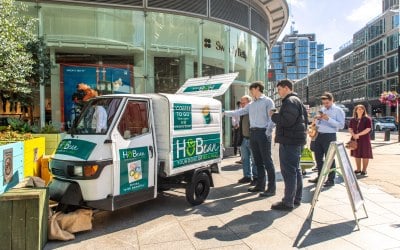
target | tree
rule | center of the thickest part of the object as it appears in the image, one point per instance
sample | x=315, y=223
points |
x=16, y=62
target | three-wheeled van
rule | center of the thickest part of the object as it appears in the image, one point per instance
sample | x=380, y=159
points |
x=123, y=149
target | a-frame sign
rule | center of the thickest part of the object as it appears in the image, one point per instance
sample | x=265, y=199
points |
x=343, y=164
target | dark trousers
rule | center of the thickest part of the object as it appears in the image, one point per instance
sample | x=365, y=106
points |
x=322, y=143
x=236, y=139
x=261, y=149
x=289, y=158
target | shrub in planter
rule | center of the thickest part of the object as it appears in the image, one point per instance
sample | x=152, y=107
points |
x=52, y=135
x=33, y=148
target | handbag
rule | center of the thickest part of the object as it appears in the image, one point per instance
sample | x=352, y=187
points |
x=312, y=130
x=352, y=145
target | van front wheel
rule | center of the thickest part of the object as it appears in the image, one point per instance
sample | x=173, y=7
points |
x=198, y=189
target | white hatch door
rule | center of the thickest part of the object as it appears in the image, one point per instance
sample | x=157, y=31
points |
x=208, y=86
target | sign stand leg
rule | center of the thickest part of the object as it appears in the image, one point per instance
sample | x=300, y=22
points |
x=321, y=180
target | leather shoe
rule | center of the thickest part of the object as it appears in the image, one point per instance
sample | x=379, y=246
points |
x=329, y=183
x=281, y=206
x=244, y=180
x=253, y=182
x=255, y=189
x=297, y=203
x=267, y=194
x=315, y=180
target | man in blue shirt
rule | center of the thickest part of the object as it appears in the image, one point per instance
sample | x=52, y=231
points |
x=261, y=127
x=329, y=121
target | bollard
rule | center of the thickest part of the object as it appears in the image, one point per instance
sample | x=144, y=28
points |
x=387, y=134
x=372, y=132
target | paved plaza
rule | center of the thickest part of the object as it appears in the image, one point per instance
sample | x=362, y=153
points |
x=232, y=218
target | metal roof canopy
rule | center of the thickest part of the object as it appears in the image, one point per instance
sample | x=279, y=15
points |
x=278, y=14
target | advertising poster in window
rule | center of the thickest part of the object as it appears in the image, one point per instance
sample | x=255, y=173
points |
x=134, y=169
x=102, y=79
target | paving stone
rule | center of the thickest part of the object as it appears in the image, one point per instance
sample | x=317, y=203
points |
x=176, y=245
x=234, y=247
x=160, y=230
x=390, y=229
x=269, y=239
x=209, y=233
x=371, y=239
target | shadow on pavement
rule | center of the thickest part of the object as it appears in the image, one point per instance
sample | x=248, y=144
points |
x=221, y=200
x=233, y=167
x=242, y=227
x=308, y=237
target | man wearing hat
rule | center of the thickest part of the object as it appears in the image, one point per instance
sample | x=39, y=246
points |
x=331, y=118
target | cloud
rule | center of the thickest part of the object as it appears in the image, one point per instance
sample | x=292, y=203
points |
x=366, y=11
x=297, y=3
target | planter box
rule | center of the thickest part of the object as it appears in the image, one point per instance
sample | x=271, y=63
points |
x=33, y=150
x=11, y=165
x=52, y=141
x=24, y=216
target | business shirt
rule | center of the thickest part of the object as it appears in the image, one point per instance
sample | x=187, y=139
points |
x=335, y=121
x=258, y=111
x=99, y=120
x=235, y=120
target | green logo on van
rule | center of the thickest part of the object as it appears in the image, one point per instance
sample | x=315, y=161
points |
x=182, y=116
x=192, y=149
x=77, y=148
x=206, y=87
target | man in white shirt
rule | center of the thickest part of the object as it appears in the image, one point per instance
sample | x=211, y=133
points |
x=236, y=131
x=99, y=121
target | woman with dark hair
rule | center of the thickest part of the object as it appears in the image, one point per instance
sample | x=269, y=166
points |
x=359, y=128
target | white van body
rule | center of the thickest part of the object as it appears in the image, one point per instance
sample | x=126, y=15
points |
x=152, y=142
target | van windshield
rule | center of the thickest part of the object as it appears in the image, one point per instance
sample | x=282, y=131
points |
x=96, y=116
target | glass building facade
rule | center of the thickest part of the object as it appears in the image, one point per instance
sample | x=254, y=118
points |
x=296, y=56
x=363, y=69
x=146, y=46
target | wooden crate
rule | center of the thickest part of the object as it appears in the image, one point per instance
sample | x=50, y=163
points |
x=52, y=141
x=33, y=150
x=11, y=153
x=24, y=217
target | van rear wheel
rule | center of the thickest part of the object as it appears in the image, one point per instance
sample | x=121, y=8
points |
x=198, y=189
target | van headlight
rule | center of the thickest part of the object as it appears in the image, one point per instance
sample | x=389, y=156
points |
x=78, y=171
x=83, y=171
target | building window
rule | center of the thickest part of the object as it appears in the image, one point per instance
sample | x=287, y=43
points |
x=391, y=64
x=392, y=42
x=376, y=29
x=374, y=90
x=359, y=38
x=395, y=21
x=375, y=70
x=392, y=85
x=166, y=74
x=375, y=50
x=359, y=57
x=359, y=75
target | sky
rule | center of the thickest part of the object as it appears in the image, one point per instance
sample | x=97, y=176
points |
x=333, y=21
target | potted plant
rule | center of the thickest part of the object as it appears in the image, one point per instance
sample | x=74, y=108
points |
x=33, y=147
x=52, y=134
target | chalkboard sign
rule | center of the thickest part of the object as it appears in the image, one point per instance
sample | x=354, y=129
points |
x=344, y=165
x=349, y=177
